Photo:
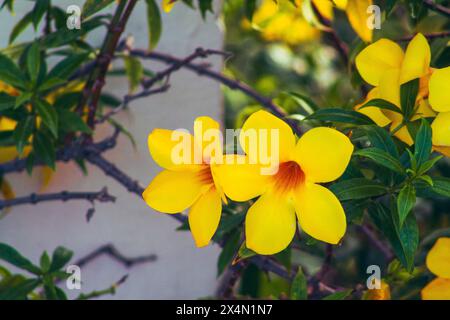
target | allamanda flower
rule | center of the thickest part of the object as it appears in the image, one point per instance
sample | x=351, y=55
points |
x=190, y=183
x=320, y=155
x=384, y=65
x=283, y=21
x=438, y=262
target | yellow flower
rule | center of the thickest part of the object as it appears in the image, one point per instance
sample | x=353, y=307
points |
x=283, y=21
x=356, y=11
x=438, y=262
x=167, y=5
x=384, y=65
x=187, y=184
x=320, y=155
x=384, y=293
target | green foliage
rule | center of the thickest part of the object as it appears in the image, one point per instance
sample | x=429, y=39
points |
x=299, y=286
x=154, y=25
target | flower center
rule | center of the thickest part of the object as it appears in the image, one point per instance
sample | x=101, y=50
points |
x=288, y=177
x=205, y=175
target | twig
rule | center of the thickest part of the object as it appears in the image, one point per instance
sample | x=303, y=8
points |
x=111, y=251
x=229, y=280
x=198, y=53
x=76, y=150
x=96, y=81
x=386, y=251
x=101, y=196
x=429, y=36
x=128, y=98
x=98, y=293
x=201, y=70
x=437, y=7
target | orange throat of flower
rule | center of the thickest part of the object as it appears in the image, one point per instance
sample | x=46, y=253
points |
x=288, y=178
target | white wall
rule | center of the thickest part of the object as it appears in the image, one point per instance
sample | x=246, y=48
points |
x=181, y=270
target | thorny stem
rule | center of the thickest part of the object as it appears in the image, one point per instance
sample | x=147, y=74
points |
x=96, y=80
x=437, y=7
x=111, y=251
x=101, y=196
x=201, y=70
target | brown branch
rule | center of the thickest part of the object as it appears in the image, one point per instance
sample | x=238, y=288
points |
x=131, y=97
x=201, y=70
x=437, y=7
x=229, y=280
x=96, y=80
x=429, y=36
x=74, y=151
x=377, y=243
x=101, y=196
x=111, y=251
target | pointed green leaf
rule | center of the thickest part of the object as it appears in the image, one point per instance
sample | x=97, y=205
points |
x=382, y=158
x=49, y=116
x=154, y=24
x=405, y=202
x=299, y=286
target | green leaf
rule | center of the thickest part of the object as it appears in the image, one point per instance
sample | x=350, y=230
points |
x=381, y=139
x=154, y=24
x=441, y=185
x=6, y=101
x=10, y=74
x=12, y=256
x=303, y=101
x=6, y=139
x=22, y=133
x=405, y=202
x=40, y=7
x=19, y=291
x=22, y=98
x=244, y=253
x=228, y=252
x=134, y=70
x=71, y=122
x=45, y=262
x=428, y=165
x=408, y=95
x=227, y=224
x=382, y=158
x=423, y=143
x=66, y=67
x=357, y=188
x=340, y=295
x=60, y=257
x=20, y=26
x=340, y=115
x=91, y=7
x=50, y=83
x=49, y=116
x=250, y=6
x=382, y=104
x=34, y=61
x=205, y=6
x=44, y=149
x=404, y=241
x=299, y=286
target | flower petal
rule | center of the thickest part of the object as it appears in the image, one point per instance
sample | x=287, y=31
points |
x=172, y=149
x=264, y=136
x=208, y=136
x=377, y=58
x=441, y=129
x=204, y=217
x=417, y=59
x=325, y=8
x=389, y=89
x=270, y=224
x=240, y=180
x=438, y=289
x=402, y=133
x=439, y=87
x=340, y=4
x=323, y=154
x=373, y=113
x=163, y=193
x=320, y=213
x=358, y=17
x=167, y=5
x=443, y=150
x=438, y=258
